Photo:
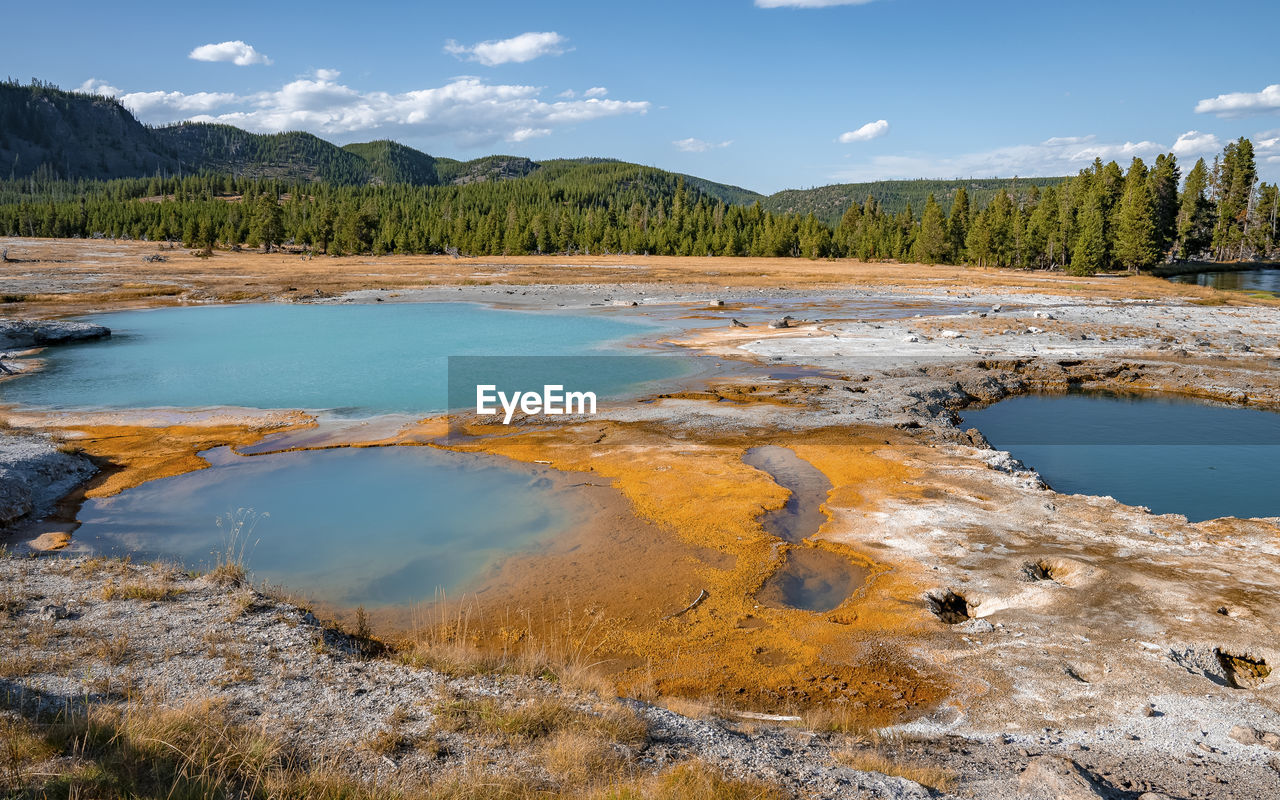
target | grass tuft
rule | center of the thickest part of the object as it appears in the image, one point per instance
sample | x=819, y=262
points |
x=237, y=530
x=937, y=778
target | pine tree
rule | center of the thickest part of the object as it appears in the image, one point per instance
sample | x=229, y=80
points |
x=958, y=224
x=1236, y=178
x=267, y=227
x=1164, y=201
x=931, y=244
x=1195, y=214
x=1135, y=246
x=1090, y=251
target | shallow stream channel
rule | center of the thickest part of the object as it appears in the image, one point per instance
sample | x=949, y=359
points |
x=811, y=579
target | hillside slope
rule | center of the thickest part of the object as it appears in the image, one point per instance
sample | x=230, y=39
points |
x=53, y=134
x=50, y=133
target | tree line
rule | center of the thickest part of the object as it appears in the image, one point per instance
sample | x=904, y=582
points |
x=1103, y=218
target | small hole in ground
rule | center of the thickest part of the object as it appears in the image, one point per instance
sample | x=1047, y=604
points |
x=950, y=607
x=1243, y=672
x=1037, y=571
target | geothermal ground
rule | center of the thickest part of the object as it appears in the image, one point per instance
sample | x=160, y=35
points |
x=1011, y=638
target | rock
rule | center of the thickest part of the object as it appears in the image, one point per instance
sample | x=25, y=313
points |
x=975, y=626
x=949, y=334
x=785, y=322
x=1034, y=329
x=733, y=323
x=16, y=333
x=717, y=302
x=1154, y=796
x=911, y=337
x=52, y=612
x=1252, y=736
x=997, y=308
x=34, y=473
x=1055, y=778
x=50, y=541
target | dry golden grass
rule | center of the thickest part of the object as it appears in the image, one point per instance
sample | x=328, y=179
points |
x=139, y=590
x=101, y=565
x=936, y=778
x=196, y=752
x=22, y=751
x=537, y=718
x=704, y=708
x=839, y=719
x=111, y=649
x=232, y=277
x=579, y=758
x=564, y=649
x=697, y=780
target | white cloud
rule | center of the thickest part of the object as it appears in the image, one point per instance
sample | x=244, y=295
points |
x=95, y=86
x=524, y=134
x=1242, y=104
x=595, y=91
x=162, y=105
x=174, y=105
x=237, y=52
x=517, y=49
x=1195, y=143
x=1267, y=146
x=468, y=110
x=809, y=3
x=692, y=145
x=872, y=130
x=1063, y=155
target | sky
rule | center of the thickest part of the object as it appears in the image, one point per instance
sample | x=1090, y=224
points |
x=764, y=94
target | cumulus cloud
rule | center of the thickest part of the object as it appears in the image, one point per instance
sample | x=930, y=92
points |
x=1195, y=143
x=872, y=130
x=809, y=3
x=692, y=145
x=517, y=49
x=1242, y=104
x=524, y=134
x=1063, y=155
x=95, y=86
x=164, y=105
x=237, y=52
x=596, y=91
x=173, y=105
x=468, y=110
x=1266, y=145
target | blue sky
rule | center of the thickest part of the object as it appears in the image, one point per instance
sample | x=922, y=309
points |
x=732, y=90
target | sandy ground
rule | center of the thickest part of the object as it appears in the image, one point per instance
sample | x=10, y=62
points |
x=999, y=613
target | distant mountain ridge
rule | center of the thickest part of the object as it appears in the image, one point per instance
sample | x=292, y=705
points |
x=50, y=133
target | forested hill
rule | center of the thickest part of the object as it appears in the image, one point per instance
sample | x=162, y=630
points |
x=82, y=166
x=828, y=203
x=57, y=135
x=54, y=134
